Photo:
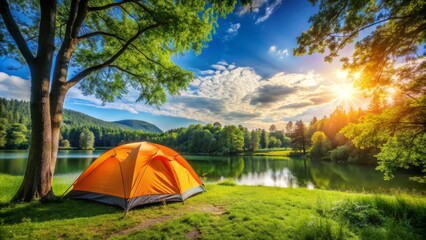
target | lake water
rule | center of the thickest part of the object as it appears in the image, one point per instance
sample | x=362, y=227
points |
x=245, y=170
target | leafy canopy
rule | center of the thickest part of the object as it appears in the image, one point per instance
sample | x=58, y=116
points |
x=123, y=44
x=387, y=57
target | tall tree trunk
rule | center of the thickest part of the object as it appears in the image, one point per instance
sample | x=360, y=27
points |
x=38, y=177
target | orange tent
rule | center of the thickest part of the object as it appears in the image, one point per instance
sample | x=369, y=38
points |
x=136, y=174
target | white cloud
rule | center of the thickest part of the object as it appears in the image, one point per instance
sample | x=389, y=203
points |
x=280, y=53
x=238, y=95
x=14, y=87
x=233, y=28
x=261, y=6
x=268, y=11
x=231, y=32
x=226, y=93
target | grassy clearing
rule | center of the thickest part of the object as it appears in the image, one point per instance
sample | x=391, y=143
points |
x=223, y=212
x=278, y=152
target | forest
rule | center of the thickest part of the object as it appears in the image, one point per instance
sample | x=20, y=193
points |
x=320, y=138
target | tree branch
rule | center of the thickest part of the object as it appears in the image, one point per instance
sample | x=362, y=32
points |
x=148, y=58
x=13, y=29
x=98, y=67
x=104, y=7
x=99, y=33
x=79, y=19
x=124, y=70
x=117, y=4
x=343, y=43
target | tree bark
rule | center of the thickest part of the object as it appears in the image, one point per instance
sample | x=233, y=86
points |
x=38, y=177
x=57, y=97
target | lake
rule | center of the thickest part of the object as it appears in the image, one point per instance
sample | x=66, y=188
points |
x=245, y=170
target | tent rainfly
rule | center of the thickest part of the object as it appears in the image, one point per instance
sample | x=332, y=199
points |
x=135, y=174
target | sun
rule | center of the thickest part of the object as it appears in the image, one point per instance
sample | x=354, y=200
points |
x=345, y=92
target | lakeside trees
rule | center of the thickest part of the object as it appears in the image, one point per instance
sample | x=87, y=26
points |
x=391, y=67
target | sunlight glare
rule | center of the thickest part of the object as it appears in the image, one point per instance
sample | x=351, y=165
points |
x=344, y=91
x=356, y=75
x=341, y=74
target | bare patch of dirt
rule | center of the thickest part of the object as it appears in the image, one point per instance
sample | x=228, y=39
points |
x=193, y=234
x=143, y=225
x=215, y=210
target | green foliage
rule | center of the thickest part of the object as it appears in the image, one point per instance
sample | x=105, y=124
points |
x=65, y=144
x=86, y=140
x=3, y=131
x=264, y=138
x=231, y=139
x=320, y=145
x=255, y=140
x=299, y=136
x=358, y=214
x=340, y=154
x=401, y=146
x=17, y=136
x=392, y=71
x=227, y=182
x=274, y=142
x=147, y=65
x=322, y=229
x=403, y=151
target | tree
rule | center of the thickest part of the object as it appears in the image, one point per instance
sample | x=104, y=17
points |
x=65, y=144
x=272, y=128
x=217, y=125
x=247, y=139
x=320, y=145
x=289, y=129
x=391, y=69
x=274, y=142
x=3, y=131
x=264, y=138
x=112, y=45
x=281, y=136
x=231, y=139
x=255, y=140
x=86, y=140
x=16, y=136
x=299, y=136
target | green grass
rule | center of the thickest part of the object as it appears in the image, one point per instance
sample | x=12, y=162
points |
x=278, y=152
x=227, y=182
x=223, y=212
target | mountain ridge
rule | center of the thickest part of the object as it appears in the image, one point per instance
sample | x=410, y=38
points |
x=18, y=111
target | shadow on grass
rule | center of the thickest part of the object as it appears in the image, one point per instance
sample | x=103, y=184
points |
x=60, y=210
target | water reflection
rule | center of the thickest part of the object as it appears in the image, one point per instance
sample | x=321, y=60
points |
x=266, y=171
x=281, y=178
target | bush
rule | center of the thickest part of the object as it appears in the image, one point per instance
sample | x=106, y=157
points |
x=227, y=182
x=340, y=154
x=321, y=228
x=65, y=144
x=358, y=214
x=320, y=145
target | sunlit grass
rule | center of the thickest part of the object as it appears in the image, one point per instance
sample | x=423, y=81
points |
x=222, y=212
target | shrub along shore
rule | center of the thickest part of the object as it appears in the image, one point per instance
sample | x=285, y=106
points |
x=224, y=211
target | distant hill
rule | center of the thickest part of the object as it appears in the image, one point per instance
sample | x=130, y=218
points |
x=78, y=119
x=139, y=125
x=18, y=111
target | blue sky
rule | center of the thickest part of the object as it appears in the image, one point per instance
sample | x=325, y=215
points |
x=247, y=75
